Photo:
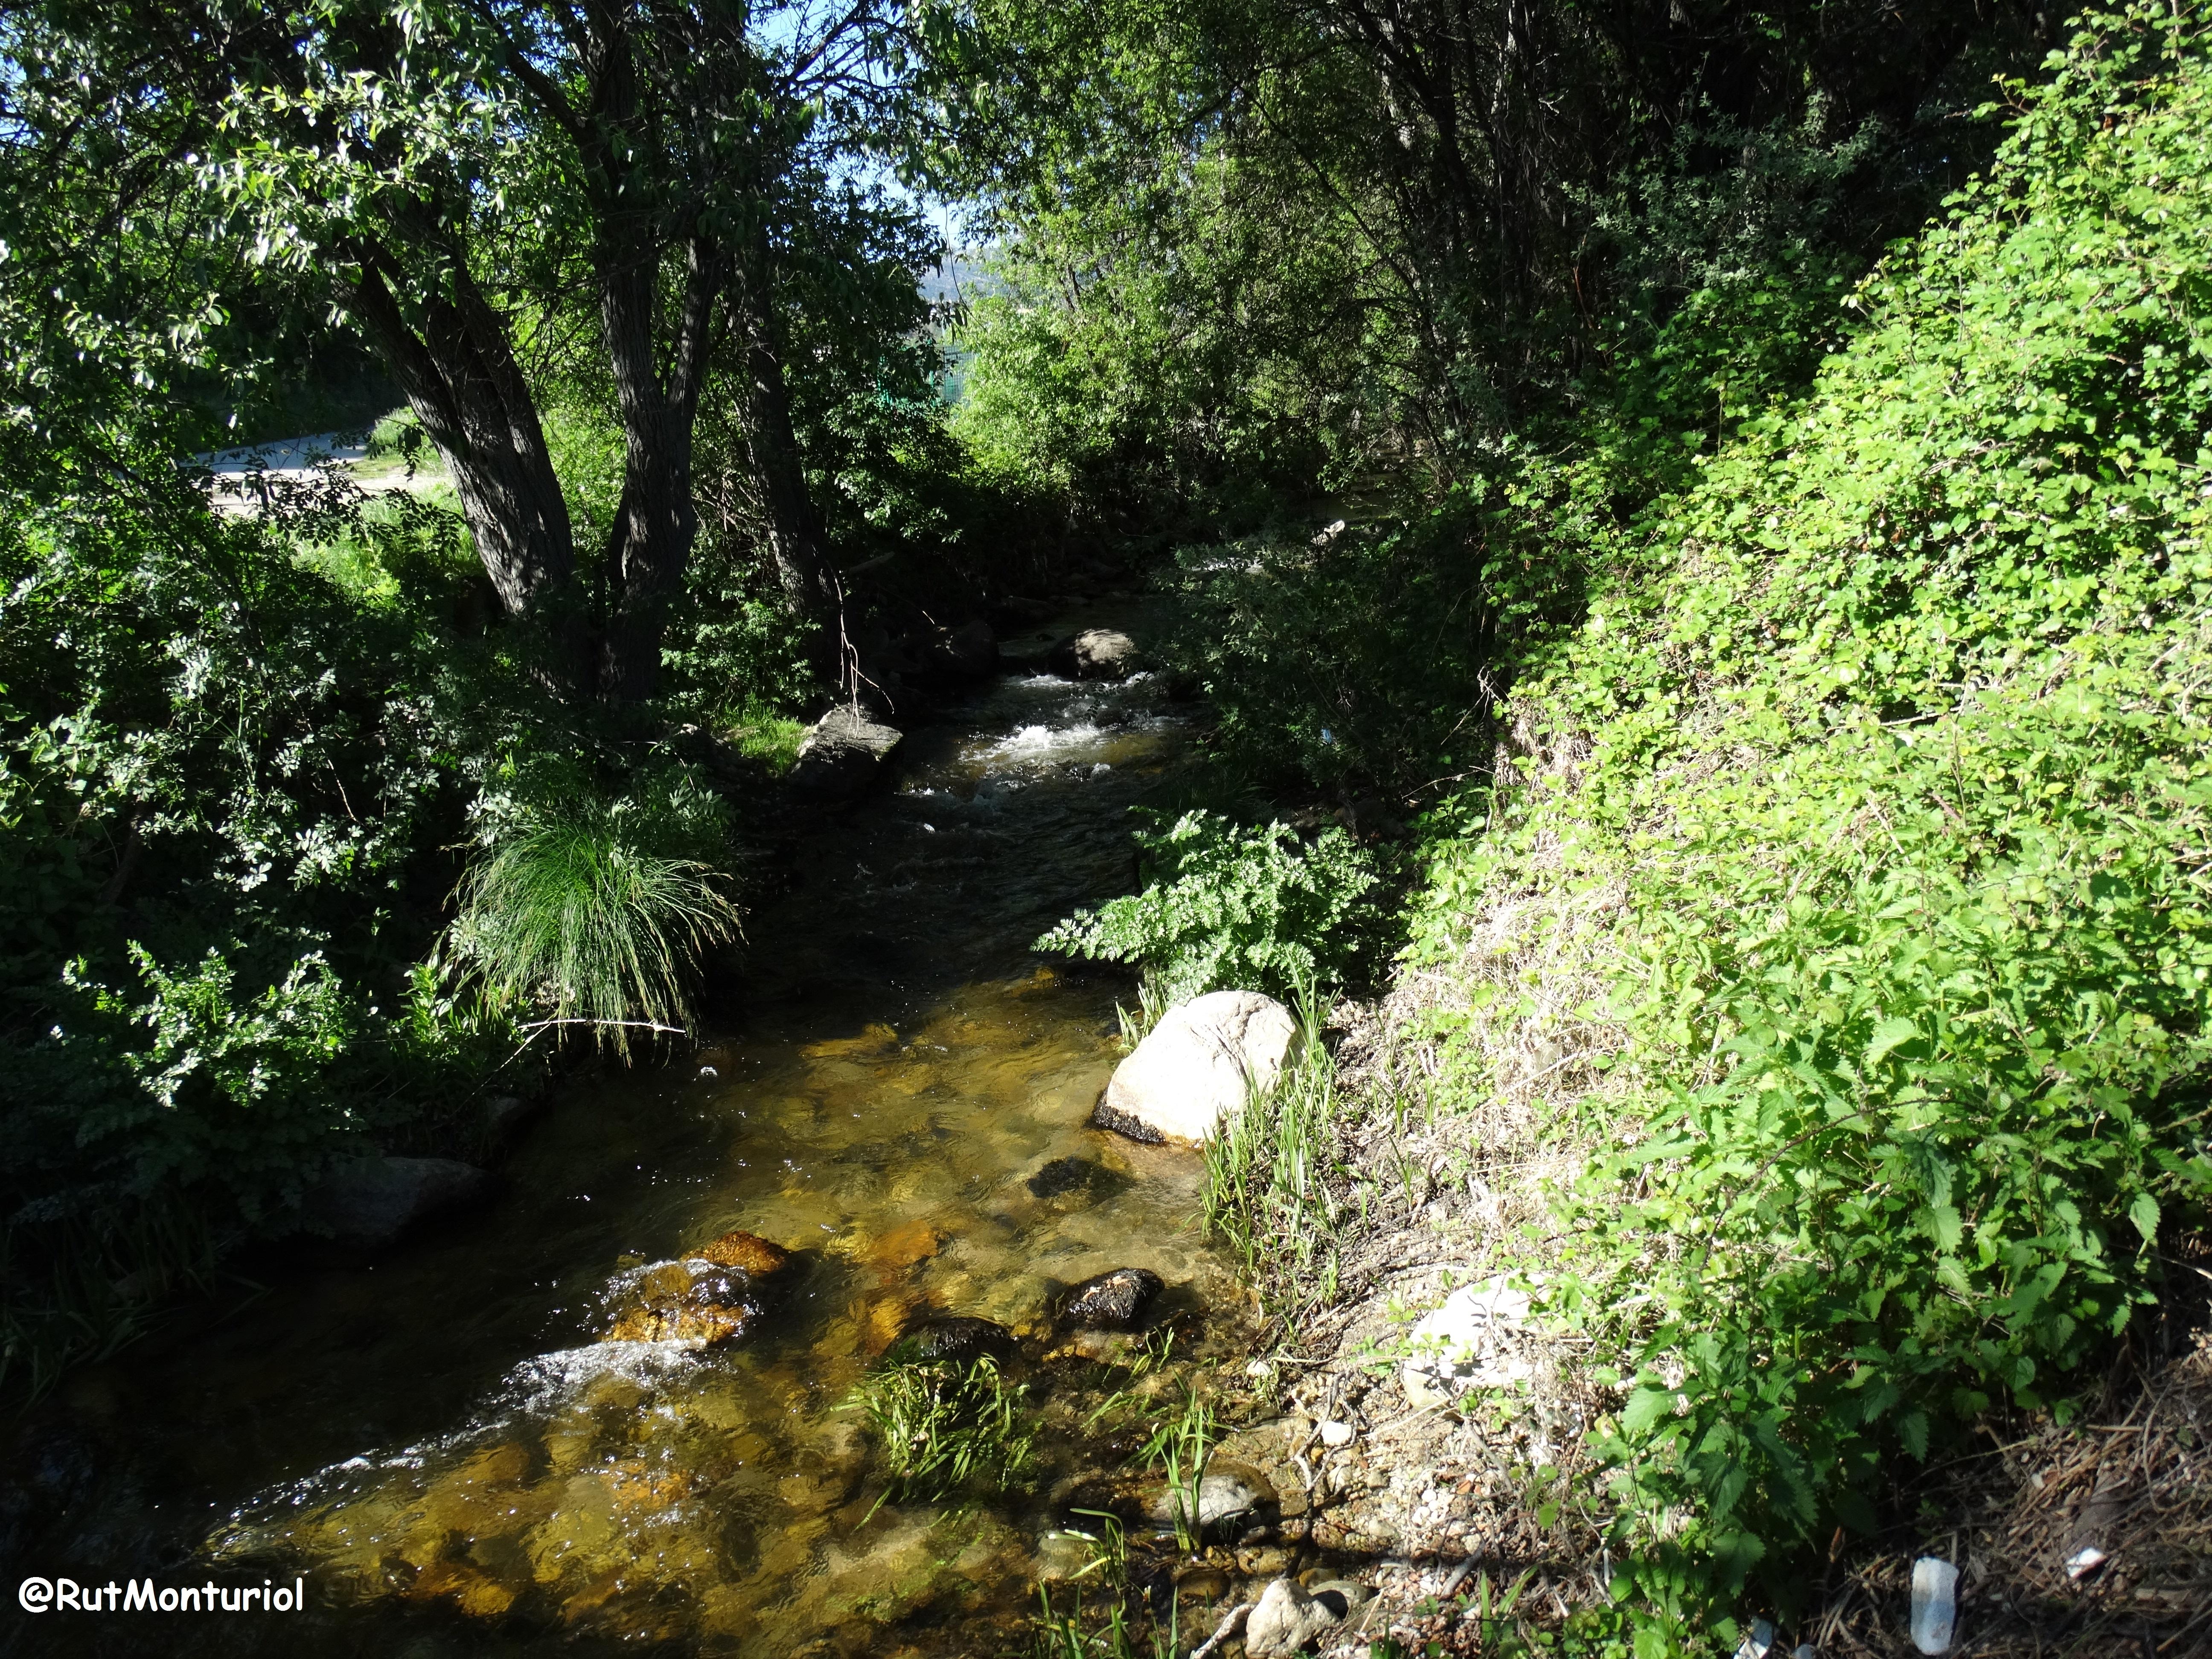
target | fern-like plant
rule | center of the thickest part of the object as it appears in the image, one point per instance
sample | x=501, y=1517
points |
x=577, y=921
x=1227, y=907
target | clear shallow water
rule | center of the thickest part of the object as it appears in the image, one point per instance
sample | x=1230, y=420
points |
x=449, y=1450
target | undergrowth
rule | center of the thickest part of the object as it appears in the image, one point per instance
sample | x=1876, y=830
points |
x=1888, y=754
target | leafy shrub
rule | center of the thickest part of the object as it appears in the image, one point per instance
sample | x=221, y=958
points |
x=1240, y=909
x=1373, y=658
x=597, y=919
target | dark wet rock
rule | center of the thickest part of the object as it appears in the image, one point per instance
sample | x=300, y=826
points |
x=506, y=1117
x=1063, y=1175
x=1112, y=1302
x=372, y=1202
x=1096, y=653
x=958, y=1337
x=1108, y=1116
x=839, y=756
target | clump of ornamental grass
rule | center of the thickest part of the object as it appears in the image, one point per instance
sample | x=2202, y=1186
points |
x=580, y=921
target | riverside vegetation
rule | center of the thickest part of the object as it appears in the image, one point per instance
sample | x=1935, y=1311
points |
x=1824, y=804
x=1690, y=528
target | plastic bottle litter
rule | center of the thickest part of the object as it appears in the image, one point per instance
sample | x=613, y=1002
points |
x=1935, y=1603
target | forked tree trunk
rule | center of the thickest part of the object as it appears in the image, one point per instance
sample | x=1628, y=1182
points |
x=649, y=546
x=462, y=381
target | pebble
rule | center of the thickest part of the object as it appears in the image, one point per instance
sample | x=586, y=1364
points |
x=1335, y=1434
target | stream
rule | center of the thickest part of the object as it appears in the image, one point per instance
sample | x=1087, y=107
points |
x=451, y=1450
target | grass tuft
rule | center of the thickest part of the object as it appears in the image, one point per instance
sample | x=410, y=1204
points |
x=948, y=1428
x=576, y=920
x=1267, y=1192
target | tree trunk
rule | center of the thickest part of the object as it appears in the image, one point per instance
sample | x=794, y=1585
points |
x=463, y=385
x=655, y=523
x=794, y=532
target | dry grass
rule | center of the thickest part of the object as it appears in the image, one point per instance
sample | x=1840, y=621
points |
x=2135, y=1485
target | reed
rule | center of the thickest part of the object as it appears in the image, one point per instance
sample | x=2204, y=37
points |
x=1268, y=1193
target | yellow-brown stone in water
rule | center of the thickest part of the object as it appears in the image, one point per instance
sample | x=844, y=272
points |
x=710, y=1323
x=884, y=1321
x=482, y=1498
x=903, y=1247
x=872, y=1037
x=755, y=1255
x=665, y=1283
x=468, y=1589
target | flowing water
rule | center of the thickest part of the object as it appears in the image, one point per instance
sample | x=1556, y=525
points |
x=447, y=1446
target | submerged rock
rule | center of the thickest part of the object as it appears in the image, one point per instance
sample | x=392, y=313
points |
x=701, y=1299
x=1062, y=1174
x=372, y=1202
x=1096, y=654
x=1285, y=1621
x=1196, y=1069
x=840, y=755
x=1113, y=1301
x=959, y=1337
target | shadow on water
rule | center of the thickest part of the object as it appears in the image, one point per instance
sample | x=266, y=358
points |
x=449, y=1448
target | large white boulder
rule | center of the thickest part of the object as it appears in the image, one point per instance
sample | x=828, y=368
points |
x=1198, y=1066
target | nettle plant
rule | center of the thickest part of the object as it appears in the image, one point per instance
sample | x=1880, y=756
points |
x=1228, y=907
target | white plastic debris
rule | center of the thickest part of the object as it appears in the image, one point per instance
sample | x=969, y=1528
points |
x=1335, y=1434
x=1466, y=1343
x=2086, y=1559
x=1759, y=1643
x=1935, y=1603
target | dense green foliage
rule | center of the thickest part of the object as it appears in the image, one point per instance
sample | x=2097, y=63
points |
x=1225, y=907
x=307, y=842
x=1886, y=741
x=1557, y=462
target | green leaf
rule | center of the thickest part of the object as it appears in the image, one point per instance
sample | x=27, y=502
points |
x=1645, y=1407
x=2144, y=1213
x=1888, y=1035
